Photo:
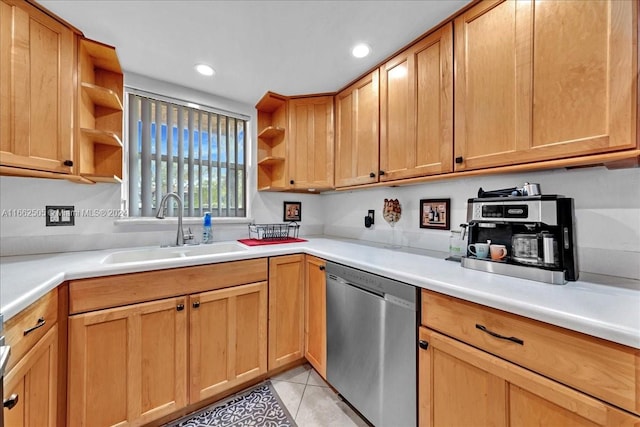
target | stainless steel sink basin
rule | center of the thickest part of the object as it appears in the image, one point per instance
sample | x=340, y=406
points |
x=154, y=254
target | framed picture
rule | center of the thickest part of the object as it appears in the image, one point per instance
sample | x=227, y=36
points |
x=434, y=213
x=292, y=211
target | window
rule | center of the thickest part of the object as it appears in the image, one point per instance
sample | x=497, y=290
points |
x=198, y=154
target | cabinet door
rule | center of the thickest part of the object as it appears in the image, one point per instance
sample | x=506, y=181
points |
x=416, y=109
x=228, y=338
x=33, y=381
x=357, y=138
x=127, y=365
x=37, y=89
x=315, y=325
x=585, y=75
x=461, y=385
x=311, y=143
x=286, y=310
x=544, y=80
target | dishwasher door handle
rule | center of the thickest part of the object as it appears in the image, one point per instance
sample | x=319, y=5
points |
x=358, y=286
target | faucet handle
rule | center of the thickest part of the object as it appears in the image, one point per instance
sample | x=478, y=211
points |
x=189, y=237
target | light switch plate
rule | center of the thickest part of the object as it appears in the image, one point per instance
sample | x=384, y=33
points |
x=57, y=216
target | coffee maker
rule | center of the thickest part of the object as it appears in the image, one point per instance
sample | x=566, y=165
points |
x=537, y=231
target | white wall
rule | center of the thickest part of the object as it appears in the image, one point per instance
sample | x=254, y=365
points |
x=607, y=210
x=607, y=215
x=23, y=230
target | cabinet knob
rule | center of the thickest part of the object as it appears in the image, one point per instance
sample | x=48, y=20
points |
x=11, y=401
x=322, y=268
x=292, y=182
x=196, y=304
x=459, y=159
x=423, y=344
x=68, y=163
x=381, y=173
x=372, y=175
x=180, y=307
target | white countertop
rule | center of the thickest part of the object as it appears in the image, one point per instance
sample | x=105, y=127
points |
x=602, y=306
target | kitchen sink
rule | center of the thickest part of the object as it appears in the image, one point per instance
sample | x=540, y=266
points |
x=153, y=254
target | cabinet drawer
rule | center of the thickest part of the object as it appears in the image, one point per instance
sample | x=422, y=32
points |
x=113, y=291
x=598, y=367
x=27, y=327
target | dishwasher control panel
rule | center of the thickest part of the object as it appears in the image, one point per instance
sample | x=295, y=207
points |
x=392, y=290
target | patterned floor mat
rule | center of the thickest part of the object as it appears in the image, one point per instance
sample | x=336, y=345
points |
x=260, y=406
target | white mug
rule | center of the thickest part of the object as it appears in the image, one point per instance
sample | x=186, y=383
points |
x=480, y=250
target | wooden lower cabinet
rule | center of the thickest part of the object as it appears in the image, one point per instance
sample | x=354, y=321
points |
x=33, y=381
x=127, y=365
x=460, y=385
x=315, y=320
x=286, y=309
x=228, y=338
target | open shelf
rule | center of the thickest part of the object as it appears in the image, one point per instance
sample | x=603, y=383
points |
x=269, y=161
x=102, y=55
x=102, y=137
x=103, y=178
x=102, y=96
x=271, y=132
x=100, y=112
x=270, y=102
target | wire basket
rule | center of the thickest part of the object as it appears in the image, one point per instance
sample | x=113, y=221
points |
x=274, y=231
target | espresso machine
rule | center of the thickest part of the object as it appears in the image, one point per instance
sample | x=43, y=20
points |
x=537, y=231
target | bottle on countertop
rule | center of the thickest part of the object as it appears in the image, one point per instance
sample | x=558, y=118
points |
x=207, y=231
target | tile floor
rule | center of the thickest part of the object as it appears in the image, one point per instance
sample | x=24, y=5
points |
x=311, y=401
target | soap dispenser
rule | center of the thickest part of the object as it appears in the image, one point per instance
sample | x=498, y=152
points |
x=207, y=231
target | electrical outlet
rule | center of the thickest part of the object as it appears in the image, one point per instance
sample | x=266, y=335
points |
x=371, y=214
x=369, y=219
x=57, y=216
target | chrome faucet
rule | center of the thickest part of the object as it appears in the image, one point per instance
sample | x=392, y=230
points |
x=180, y=238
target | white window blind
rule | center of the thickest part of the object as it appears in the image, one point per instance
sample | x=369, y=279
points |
x=200, y=155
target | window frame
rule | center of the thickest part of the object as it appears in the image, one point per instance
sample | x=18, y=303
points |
x=199, y=108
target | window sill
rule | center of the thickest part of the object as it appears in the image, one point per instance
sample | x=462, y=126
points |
x=185, y=221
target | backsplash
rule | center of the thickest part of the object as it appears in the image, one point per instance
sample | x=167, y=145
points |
x=607, y=204
x=607, y=210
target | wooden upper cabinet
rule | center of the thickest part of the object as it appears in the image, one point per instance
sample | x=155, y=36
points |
x=357, y=139
x=416, y=109
x=37, y=95
x=544, y=80
x=311, y=143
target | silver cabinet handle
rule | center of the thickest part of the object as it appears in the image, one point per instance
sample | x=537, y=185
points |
x=40, y=324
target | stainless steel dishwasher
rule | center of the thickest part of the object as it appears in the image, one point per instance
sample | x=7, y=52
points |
x=371, y=344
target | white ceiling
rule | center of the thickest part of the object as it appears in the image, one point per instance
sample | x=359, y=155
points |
x=289, y=47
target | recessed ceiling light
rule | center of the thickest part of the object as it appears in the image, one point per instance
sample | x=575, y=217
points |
x=360, y=50
x=205, y=70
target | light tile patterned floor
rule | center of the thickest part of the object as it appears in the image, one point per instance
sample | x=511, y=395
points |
x=310, y=400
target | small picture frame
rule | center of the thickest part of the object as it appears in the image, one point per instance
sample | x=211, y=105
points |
x=435, y=213
x=292, y=211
